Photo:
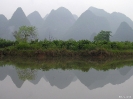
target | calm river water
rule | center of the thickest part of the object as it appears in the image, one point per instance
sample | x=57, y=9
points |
x=17, y=83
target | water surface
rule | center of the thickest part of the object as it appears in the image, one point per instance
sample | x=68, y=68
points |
x=17, y=83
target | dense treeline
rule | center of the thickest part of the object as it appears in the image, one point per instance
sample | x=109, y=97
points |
x=65, y=48
x=69, y=45
x=5, y=43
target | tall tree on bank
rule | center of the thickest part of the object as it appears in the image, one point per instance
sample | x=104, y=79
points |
x=103, y=36
x=25, y=34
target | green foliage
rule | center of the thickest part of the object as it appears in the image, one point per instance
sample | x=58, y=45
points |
x=25, y=33
x=67, y=48
x=69, y=45
x=84, y=44
x=23, y=45
x=103, y=36
x=5, y=43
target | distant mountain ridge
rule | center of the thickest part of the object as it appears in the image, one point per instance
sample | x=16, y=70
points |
x=75, y=16
x=87, y=24
x=62, y=24
x=3, y=20
x=57, y=23
x=35, y=19
x=123, y=33
x=19, y=19
x=114, y=18
x=3, y=26
x=45, y=17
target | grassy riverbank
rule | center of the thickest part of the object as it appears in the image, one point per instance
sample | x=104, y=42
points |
x=70, y=48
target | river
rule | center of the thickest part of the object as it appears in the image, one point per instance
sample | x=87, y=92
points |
x=29, y=83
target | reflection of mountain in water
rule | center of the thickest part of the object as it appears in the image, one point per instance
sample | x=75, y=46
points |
x=11, y=71
x=39, y=75
x=125, y=70
x=60, y=78
x=3, y=73
x=95, y=79
x=90, y=77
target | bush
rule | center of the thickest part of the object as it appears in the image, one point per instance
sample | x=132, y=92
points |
x=23, y=46
x=5, y=43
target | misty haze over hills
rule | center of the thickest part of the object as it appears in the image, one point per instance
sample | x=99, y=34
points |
x=75, y=16
x=19, y=19
x=62, y=24
x=114, y=18
x=123, y=33
x=57, y=23
x=3, y=26
x=87, y=24
x=35, y=19
x=54, y=25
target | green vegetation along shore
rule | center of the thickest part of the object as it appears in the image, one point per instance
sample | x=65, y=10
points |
x=69, y=48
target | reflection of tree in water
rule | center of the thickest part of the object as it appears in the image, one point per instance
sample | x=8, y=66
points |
x=26, y=74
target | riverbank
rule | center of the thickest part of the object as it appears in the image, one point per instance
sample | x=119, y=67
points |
x=97, y=53
x=70, y=48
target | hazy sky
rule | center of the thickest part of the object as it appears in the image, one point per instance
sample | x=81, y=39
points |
x=7, y=7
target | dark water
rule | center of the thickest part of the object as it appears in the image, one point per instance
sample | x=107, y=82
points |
x=17, y=83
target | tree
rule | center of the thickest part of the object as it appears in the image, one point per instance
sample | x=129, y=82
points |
x=103, y=36
x=25, y=33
